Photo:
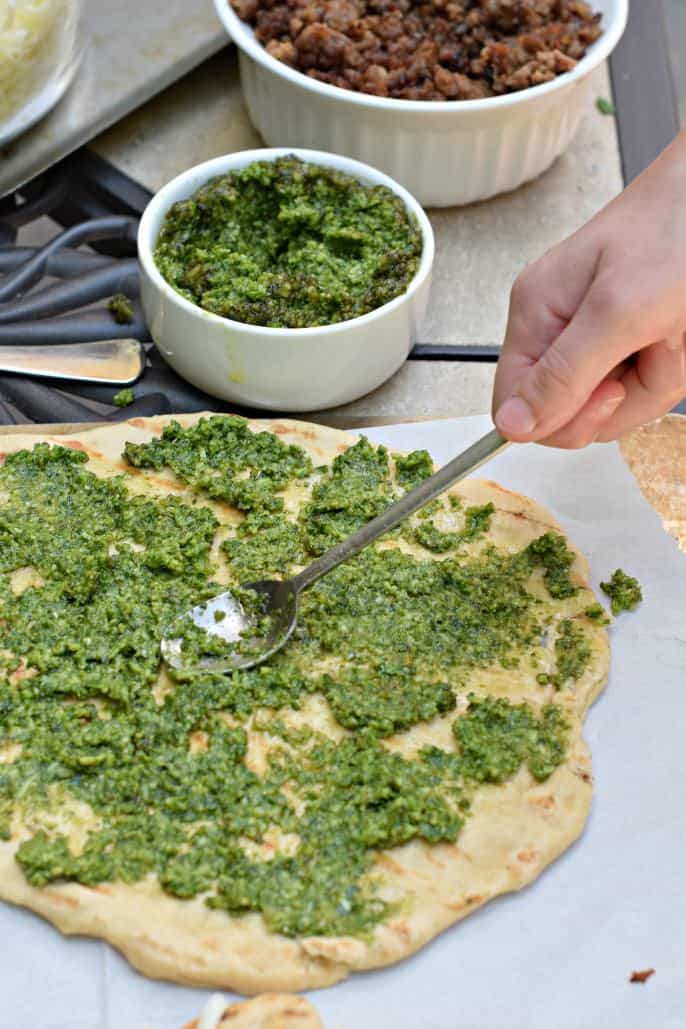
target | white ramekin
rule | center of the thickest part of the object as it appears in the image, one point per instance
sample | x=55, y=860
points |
x=279, y=369
x=453, y=152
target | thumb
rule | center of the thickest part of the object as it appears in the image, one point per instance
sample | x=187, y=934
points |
x=555, y=388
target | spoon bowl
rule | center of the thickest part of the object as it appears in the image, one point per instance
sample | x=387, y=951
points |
x=247, y=642
x=224, y=618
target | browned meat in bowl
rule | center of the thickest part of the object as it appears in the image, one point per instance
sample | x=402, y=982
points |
x=425, y=49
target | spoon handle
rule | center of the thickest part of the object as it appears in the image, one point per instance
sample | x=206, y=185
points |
x=468, y=461
x=118, y=362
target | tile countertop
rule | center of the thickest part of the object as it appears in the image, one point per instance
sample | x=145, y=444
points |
x=480, y=248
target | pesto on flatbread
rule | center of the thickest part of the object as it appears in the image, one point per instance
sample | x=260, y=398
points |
x=415, y=750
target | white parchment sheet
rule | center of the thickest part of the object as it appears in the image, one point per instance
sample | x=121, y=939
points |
x=558, y=954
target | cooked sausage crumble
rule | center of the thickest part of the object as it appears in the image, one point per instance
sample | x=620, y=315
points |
x=425, y=49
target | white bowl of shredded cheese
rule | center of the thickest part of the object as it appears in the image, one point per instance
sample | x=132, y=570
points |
x=38, y=57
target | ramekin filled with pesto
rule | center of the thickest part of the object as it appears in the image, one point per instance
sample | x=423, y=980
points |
x=290, y=280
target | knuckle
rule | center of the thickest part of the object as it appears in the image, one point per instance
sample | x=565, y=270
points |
x=610, y=301
x=554, y=377
x=524, y=287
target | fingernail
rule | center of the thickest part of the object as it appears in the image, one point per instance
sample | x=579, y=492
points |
x=515, y=416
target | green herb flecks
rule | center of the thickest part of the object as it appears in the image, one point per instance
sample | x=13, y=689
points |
x=596, y=613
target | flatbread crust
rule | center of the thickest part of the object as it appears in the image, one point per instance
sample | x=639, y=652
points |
x=269, y=1011
x=513, y=833
x=656, y=454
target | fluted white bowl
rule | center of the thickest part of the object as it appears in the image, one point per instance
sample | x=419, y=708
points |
x=444, y=153
x=279, y=369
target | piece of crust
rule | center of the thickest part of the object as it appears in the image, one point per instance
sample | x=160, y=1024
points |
x=513, y=833
x=269, y=1011
x=656, y=454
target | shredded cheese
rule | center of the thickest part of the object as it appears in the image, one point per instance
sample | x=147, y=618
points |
x=35, y=37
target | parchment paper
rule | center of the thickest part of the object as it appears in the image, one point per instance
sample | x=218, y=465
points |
x=559, y=954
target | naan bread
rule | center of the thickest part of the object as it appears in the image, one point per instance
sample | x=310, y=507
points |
x=269, y=1011
x=656, y=454
x=513, y=832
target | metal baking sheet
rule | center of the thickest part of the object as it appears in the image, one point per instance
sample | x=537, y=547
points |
x=560, y=952
x=132, y=49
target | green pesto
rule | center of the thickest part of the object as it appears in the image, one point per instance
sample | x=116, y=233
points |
x=289, y=244
x=430, y=510
x=123, y=398
x=623, y=590
x=572, y=655
x=385, y=703
x=477, y=522
x=413, y=468
x=497, y=737
x=117, y=570
x=388, y=611
x=215, y=454
x=596, y=613
x=265, y=545
x=357, y=488
x=196, y=644
x=121, y=308
x=552, y=553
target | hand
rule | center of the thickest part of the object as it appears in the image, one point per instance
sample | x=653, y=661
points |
x=596, y=335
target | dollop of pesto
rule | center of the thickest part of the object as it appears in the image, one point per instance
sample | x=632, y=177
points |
x=623, y=590
x=551, y=551
x=357, y=488
x=222, y=457
x=497, y=737
x=596, y=613
x=265, y=545
x=572, y=655
x=477, y=523
x=123, y=398
x=121, y=308
x=289, y=244
x=384, y=641
x=411, y=469
x=385, y=702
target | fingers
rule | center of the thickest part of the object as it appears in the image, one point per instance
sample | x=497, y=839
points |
x=543, y=300
x=654, y=385
x=556, y=388
x=587, y=425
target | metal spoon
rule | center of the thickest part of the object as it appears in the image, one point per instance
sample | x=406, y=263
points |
x=223, y=616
